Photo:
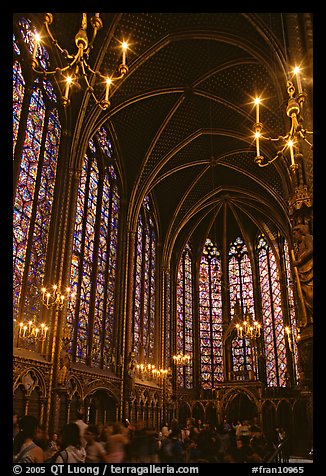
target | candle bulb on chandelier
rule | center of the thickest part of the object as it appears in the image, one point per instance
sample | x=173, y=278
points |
x=124, y=51
x=297, y=75
x=257, y=135
x=36, y=44
x=107, y=88
x=257, y=102
x=68, y=83
x=290, y=145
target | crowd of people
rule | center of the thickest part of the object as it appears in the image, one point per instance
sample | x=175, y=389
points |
x=125, y=442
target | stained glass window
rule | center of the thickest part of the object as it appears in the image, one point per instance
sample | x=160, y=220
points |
x=18, y=97
x=36, y=176
x=144, y=289
x=210, y=317
x=94, y=259
x=273, y=325
x=184, y=324
x=293, y=321
x=241, y=290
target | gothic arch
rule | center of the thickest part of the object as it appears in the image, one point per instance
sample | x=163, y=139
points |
x=31, y=379
x=184, y=412
x=198, y=411
x=97, y=384
x=240, y=405
x=101, y=405
x=30, y=393
x=75, y=387
x=285, y=415
x=211, y=415
x=269, y=416
x=301, y=438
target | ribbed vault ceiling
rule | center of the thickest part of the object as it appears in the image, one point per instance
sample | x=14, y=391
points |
x=183, y=119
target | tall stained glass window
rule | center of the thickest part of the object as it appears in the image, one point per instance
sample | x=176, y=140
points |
x=167, y=321
x=241, y=290
x=94, y=259
x=36, y=141
x=144, y=289
x=184, y=324
x=293, y=321
x=210, y=317
x=273, y=325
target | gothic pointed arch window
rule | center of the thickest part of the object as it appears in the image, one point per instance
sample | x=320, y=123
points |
x=210, y=317
x=94, y=257
x=184, y=323
x=36, y=141
x=144, y=290
x=241, y=291
x=272, y=315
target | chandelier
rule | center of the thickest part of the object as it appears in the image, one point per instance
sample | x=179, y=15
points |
x=32, y=334
x=77, y=68
x=150, y=372
x=55, y=298
x=292, y=336
x=246, y=326
x=181, y=359
x=289, y=142
x=32, y=330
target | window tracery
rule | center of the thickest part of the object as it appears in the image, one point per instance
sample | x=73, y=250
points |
x=210, y=317
x=241, y=289
x=36, y=161
x=94, y=259
x=184, y=325
x=272, y=314
x=144, y=290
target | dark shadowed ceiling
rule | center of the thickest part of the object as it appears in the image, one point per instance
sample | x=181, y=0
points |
x=183, y=117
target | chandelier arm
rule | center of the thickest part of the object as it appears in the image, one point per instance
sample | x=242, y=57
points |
x=272, y=160
x=303, y=133
x=100, y=75
x=55, y=42
x=97, y=73
x=271, y=139
x=90, y=46
x=91, y=89
x=69, y=65
x=306, y=140
x=48, y=73
x=96, y=27
x=117, y=78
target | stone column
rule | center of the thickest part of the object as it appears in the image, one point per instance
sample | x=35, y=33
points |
x=127, y=382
